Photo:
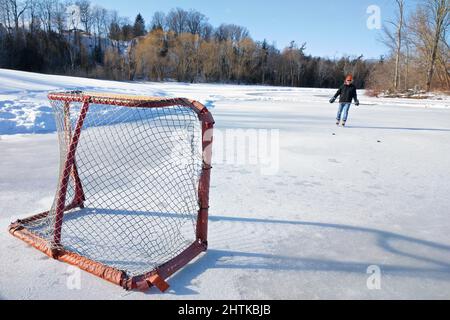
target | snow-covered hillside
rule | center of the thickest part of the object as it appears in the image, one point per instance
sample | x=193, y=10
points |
x=340, y=201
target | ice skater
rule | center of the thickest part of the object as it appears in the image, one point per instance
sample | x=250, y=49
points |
x=347, y=93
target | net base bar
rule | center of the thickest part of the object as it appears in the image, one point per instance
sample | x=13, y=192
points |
x=143, y=282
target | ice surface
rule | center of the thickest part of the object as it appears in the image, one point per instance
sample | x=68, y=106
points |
x=374, y=193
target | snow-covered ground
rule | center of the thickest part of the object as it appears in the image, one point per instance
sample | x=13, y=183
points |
x=24, y=107
x=340, y=202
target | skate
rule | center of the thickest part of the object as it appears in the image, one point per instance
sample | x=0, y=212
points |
x=338, y=122
x=343, y=123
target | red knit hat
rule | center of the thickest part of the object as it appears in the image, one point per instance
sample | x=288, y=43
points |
x=349, y=78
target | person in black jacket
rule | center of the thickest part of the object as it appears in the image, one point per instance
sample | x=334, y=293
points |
x=347, y=93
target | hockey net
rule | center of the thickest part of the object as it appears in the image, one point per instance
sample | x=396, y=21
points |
x=132, y=201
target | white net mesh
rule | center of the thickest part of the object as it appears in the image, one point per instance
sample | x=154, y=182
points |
x=137, y=170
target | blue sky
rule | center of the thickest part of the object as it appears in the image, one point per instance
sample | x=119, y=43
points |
x=330, y=28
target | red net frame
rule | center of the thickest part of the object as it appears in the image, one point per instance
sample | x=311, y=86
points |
x=55, y=249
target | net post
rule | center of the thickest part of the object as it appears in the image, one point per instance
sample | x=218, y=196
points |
x=204, y=184
x=66, y=173
x=79, y=198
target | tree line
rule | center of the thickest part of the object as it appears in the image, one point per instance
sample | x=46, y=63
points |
x=229, y=55
x=60, y=37
x=79, y=38
x=51, y=36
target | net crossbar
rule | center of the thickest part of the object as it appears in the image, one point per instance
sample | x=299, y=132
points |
x=132, y=198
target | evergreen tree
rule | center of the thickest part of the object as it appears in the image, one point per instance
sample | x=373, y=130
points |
x=139, y=26
x=114, y=31
x=127, y=32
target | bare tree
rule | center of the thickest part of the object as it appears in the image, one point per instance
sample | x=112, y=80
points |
x=100, y=21
x=59, y=16
x=195, y=22
x=399, y=37
x=85, y=14
x=394, y=39
x=439, y=12
x=17, y=8
x=5, y=13
x=407, y=45
x=238, y=33
x=158, y=21
x=222, y=33
x=176, y=20
x=231, y=32
x=206, y=31
x=47, y=10
x=293, y=64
